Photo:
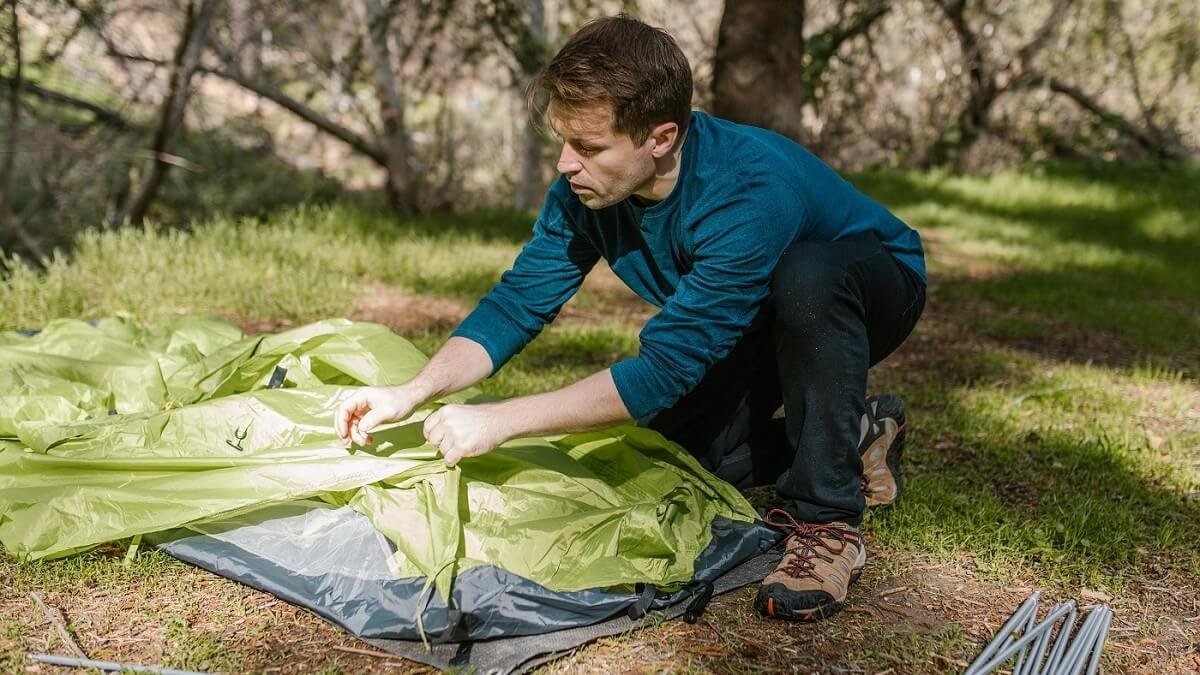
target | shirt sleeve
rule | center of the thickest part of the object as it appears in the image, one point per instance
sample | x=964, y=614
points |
x=547, y=272
x=736, y=248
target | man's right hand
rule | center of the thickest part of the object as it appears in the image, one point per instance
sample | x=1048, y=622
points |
x=370, y=407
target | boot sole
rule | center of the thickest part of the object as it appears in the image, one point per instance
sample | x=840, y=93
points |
x=767, y=607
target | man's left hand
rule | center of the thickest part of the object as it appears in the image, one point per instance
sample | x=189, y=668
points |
x=465, y=431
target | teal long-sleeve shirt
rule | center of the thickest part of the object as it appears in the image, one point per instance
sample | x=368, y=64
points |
x=704, y=255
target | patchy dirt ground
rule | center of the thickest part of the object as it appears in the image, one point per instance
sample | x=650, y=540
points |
x=906, y=615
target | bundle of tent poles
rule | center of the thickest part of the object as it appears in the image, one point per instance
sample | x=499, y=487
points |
x=1029, y=643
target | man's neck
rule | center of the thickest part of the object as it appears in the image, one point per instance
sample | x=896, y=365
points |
x=666, y=174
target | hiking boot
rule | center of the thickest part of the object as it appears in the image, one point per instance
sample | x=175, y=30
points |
x=882, y=447
x=812, y=579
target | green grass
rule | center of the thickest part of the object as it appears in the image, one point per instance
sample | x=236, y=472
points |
x=1052, y=388
x=302, y=264
x=1069, y=246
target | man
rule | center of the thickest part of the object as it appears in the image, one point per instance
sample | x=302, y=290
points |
x=778, y=283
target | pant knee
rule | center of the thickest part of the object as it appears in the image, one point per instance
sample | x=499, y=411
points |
x=806, y=283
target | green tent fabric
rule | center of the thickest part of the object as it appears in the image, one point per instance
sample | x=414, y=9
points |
x=113, y=429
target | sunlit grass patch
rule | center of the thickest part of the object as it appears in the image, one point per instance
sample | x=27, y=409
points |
x=298, y=265
x=1072, y=248
x=1047, y=469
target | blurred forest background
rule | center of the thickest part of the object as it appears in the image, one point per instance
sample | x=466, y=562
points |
x=123, y=111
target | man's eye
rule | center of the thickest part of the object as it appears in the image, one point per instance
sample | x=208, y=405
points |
x=587, y=152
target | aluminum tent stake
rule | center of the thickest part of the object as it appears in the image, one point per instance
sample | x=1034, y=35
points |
x=1094, y=666
x=1073, y=662
x=1005, y=654
x=1025, y=653
x=1025, y=640
x=1038, y=656
x=1028, y=607
x=1060, y=644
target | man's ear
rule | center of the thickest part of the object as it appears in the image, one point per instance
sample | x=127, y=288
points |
x=663, y=138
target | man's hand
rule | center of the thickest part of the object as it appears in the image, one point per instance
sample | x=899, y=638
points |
x=461, y=431
x=370, y=407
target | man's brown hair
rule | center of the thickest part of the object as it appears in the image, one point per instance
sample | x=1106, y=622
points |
x=636, y=68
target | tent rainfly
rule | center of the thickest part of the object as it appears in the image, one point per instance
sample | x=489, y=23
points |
x=219, y=448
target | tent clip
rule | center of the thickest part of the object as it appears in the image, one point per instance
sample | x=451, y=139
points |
x=699, y=602
x=277, y=377
x=641, y=606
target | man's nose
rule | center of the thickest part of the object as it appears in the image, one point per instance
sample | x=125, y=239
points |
x=568, y=161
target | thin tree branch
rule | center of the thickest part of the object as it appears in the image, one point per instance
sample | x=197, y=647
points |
x=49, y=55
x=1114, y=119
x=284, y=101
x=858, y=25
x=1026, y=53
x=1136, y=80
x=187, y=58
x=100, y=113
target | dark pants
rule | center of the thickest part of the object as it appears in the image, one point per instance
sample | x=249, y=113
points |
x=836, y=309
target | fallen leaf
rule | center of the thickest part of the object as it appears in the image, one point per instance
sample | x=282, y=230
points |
x=1095, y=596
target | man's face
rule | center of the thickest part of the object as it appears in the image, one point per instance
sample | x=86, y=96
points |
x=603, y=167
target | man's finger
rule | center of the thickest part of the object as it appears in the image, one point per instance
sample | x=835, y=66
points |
x=372, y=419
x=340, y=417
x=345, y=414
x=345, y=422
x=430, y=424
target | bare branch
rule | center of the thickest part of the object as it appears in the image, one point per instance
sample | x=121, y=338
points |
x=187, y=59
x=1026, y=53
x=1109, y=117
x=101, y=114
x=284, y=101
x=858, y=25
x=1135, y=78
x=305, y=113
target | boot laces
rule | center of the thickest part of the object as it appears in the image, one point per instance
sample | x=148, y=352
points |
x=804, y=540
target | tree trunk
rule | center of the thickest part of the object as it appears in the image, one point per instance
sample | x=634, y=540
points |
x=759, y=66
x=530, y=188
x=187, y=59
x=247, y=46
x=766, y=72
x=401, y=179
x=7, y=220
x=974, y=120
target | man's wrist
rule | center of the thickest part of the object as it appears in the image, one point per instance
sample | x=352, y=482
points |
x=505, y=419
x=422, y=391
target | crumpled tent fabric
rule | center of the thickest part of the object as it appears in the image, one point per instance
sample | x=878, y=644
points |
x=112, y=429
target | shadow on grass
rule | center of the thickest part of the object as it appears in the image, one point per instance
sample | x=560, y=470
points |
x=1104, y=269
x=1031, y=473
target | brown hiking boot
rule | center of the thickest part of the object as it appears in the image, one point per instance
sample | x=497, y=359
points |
x=812, y=579
x=882, y=447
